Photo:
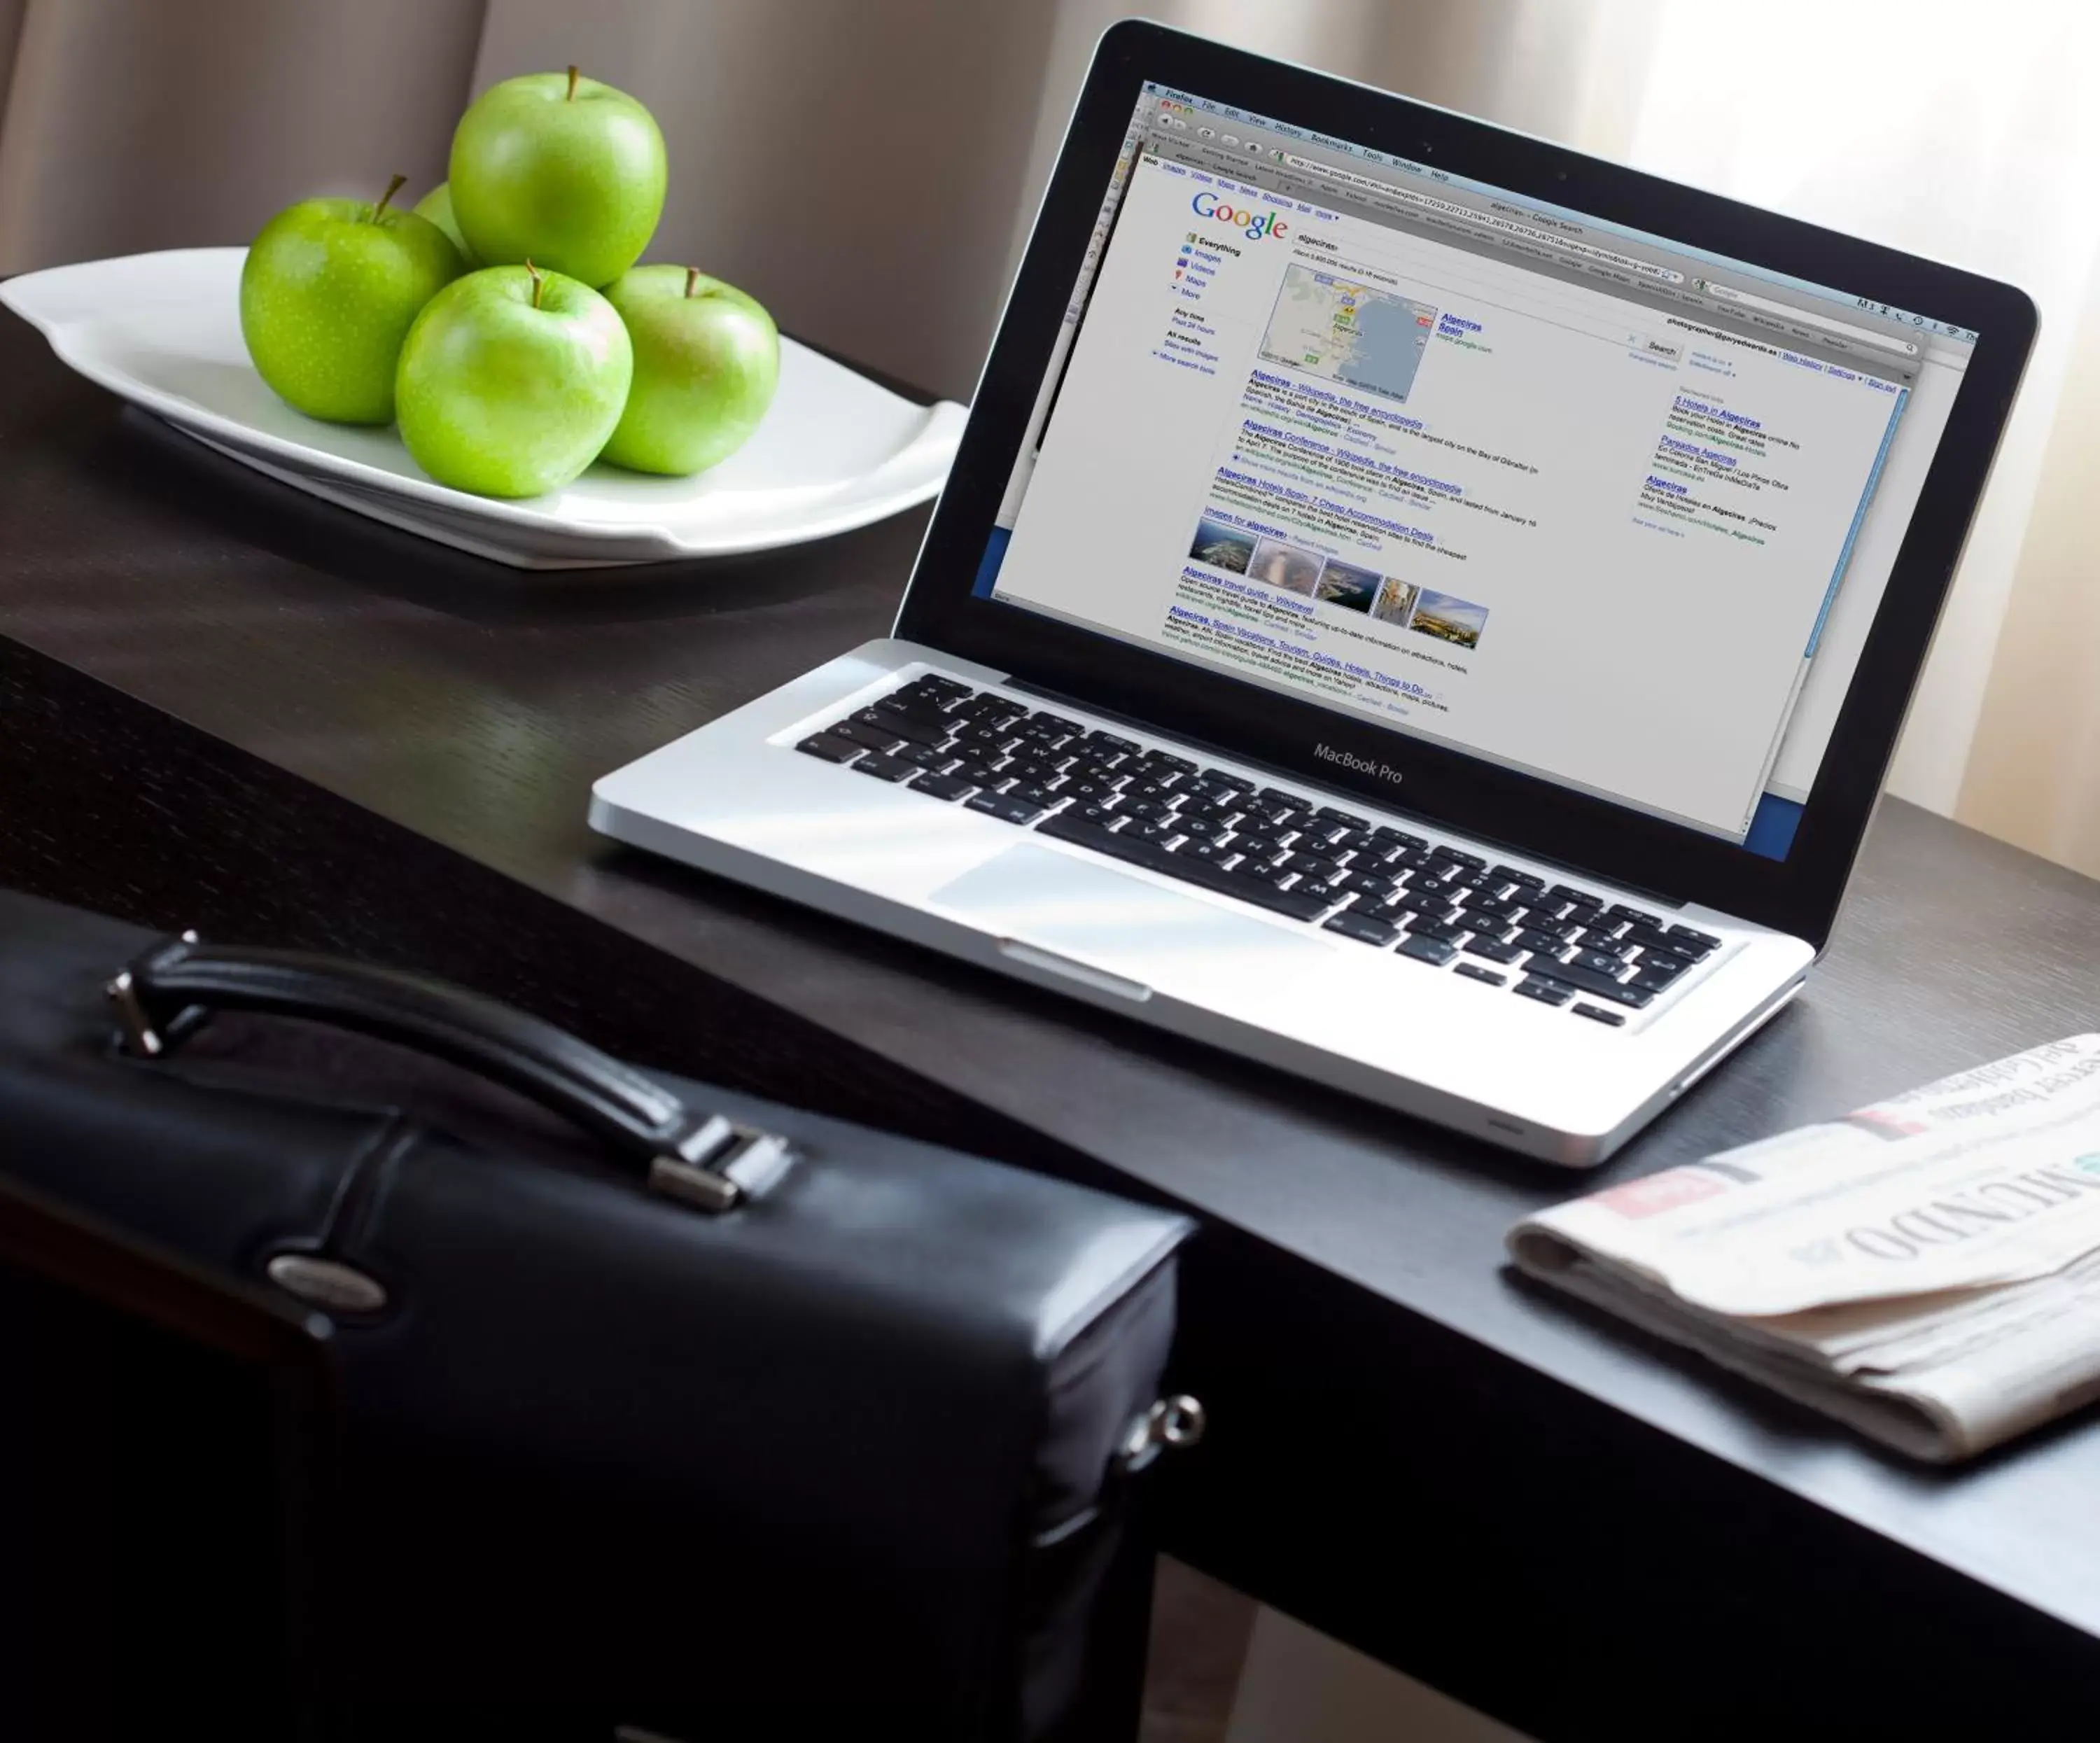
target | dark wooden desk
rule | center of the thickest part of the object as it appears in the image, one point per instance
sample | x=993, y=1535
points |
x=228, y=705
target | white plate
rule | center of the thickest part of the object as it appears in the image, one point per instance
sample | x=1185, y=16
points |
x=163, y=331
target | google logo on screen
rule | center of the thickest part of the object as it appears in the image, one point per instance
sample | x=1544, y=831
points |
x=1208, y=205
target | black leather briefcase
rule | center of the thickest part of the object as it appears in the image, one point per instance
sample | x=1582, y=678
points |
x=678, y=1409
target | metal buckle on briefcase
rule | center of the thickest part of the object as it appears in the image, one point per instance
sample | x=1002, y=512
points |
x=720, y=1165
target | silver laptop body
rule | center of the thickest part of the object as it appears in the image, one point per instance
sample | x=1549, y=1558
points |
x=1470, y=935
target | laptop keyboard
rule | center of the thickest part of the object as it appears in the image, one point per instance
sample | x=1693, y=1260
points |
x=1389, y=889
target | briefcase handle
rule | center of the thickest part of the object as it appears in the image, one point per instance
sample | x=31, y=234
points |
x=707, y=1161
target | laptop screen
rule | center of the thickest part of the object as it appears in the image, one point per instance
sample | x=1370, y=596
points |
x=1590, y=504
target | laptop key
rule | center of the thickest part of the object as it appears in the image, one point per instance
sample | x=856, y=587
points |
x=1197, y=825
x=920, y=730
x=1085, y=768
x=1347, y=819
x=1474, y=972
x=1434, y=951
x=1494, y=949
x=989, y=727
x=1275, y=877
x=1530, y=879
x=1062, y=827
x=1688, y=942
x=1362, y=927
x=926, y=757
x=1070, y=729
x=1441, y=930
x=1598, y=962
x=1089, y=787
x=943, y=786
x=1649, y=980
x=1026, y=793
x=1603, y=985
x=1598, y=1013
x=829, y=746
x=1264, y=848
x=1647, y=938
x=1540, y=942
x=1007, y=808
x=1661, y=963
x=1637, y=916
x=1389, y=837
x=868, y=738
x=884, y=768
x=1546, y=992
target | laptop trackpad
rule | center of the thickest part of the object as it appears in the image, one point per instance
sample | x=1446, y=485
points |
x=1091, y=923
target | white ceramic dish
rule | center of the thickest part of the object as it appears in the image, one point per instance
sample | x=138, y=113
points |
x=835, y=451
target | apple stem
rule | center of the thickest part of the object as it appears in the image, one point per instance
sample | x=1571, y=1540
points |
x=572, y=85
x=692, y=278
x=539, y=283
x=393, y=187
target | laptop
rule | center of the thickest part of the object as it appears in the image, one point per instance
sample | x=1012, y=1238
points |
x=1415, y=606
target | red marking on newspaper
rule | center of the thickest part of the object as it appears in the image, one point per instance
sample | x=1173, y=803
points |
x=1885, y=1124
x=1657, y=1192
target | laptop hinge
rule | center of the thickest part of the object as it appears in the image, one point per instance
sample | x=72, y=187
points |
x=1662, y=898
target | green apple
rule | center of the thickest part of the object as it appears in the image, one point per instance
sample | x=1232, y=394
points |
x=327, y=294
x=707, y=358
x=511, y=380
x=437, y=206
x=560, y=170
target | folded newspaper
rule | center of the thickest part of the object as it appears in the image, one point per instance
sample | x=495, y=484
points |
x=1926, y=1269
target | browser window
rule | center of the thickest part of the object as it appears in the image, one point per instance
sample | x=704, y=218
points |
x=1567, y=496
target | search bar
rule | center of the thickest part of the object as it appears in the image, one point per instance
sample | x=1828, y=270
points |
x=1486, y=220
x=1806, y=317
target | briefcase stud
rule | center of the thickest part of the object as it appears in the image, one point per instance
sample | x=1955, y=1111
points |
x=327, y=1283
x=1170, y=1425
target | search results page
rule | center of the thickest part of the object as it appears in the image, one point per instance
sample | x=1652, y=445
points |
x=1571, y=532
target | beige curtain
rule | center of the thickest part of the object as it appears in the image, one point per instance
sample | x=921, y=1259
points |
x=870, y=167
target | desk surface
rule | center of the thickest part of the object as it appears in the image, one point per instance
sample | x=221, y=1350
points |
x=229, y=705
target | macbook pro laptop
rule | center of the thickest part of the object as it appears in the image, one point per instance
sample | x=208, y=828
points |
x=1415, y=606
